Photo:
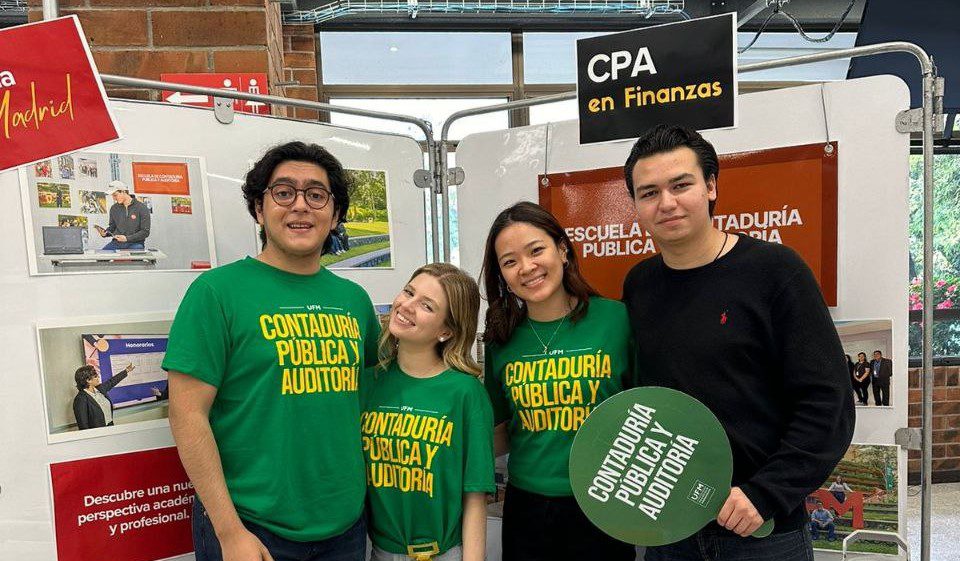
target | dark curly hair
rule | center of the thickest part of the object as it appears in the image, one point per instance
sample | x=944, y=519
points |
x=504, y=310
x=665, y=138
x=83, y=375
x=257, y=179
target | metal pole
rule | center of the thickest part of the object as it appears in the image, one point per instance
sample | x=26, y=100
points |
x=436, y=171
x=51, y=9
x=271, y=99
x=926, y=469
x=929, y=80
x=443, y=187
x=747, y=14
x=443, y=180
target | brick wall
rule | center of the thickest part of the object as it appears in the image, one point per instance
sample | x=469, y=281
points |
x=300, y=65
x=145, y=38
x=946, y=423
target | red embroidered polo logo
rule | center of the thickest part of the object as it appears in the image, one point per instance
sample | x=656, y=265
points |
x=133, y=217
x=723, y=318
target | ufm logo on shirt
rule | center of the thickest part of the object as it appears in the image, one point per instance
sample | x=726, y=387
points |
x=319, y=351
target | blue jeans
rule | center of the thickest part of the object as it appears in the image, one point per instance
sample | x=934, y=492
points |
x=114, y=245
x=830, y=529
x=348, y=546
x=716, y=544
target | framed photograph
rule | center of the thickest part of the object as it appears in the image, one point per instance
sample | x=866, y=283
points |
x=861, y=493
x=363, y=240
x=102, y=375
x=868, y=346
x=170, y=231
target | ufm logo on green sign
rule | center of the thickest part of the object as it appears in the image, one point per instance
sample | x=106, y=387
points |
x=651, y=466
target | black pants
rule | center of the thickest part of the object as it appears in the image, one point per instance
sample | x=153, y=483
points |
x=537, y=527
x=862, y=393
x=881, y=393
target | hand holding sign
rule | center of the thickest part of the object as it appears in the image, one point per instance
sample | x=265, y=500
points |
x=652, y=466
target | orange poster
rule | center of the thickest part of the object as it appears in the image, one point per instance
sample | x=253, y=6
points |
x=782, y=195
x=160, y=178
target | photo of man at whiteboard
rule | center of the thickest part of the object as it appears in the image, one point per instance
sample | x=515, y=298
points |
x=104, y=377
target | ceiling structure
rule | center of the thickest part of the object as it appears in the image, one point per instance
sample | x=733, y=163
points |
x=538, y=15
x=562, y=15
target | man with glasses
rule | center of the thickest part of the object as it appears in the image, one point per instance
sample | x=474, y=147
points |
x=264, y=358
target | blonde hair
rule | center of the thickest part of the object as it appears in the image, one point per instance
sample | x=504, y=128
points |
x=463, y=307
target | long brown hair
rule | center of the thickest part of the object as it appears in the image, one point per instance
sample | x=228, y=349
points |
x=505, y=311
x=463, y=307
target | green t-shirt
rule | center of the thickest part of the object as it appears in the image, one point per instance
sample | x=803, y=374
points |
x=285, y=352
x=545, y=398
x=426, y=441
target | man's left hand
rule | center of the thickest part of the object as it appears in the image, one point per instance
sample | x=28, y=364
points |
x=120, y=238
x=739, y=515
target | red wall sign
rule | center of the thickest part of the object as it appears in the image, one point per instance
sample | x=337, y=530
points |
x=254, y=83
x=51, y=98
x=127, y=507
x=784, y=195
x=161, y=178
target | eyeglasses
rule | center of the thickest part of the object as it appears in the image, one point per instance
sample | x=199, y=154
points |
x=315, y=197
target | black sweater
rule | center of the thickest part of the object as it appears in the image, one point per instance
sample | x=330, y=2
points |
x=750, y=336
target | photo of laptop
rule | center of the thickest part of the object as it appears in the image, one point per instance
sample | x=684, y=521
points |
x=62, y=241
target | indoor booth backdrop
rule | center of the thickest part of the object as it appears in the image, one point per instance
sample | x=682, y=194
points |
x=501, y=168
x=38, y=369
x=504, y=167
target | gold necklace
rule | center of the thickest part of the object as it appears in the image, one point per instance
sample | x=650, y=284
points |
x=555, y=331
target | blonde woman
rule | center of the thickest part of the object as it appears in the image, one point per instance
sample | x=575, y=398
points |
x=427, y=425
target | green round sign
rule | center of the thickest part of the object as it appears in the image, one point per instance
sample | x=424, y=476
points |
x=651, y=466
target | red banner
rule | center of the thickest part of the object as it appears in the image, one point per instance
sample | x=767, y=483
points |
x=783, y=195
x=127, y=507
x=51, y=98
x=161, y=178
x=245, y=82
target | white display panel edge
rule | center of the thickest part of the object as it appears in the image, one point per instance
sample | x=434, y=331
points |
x=501, y=168
x=26, y=530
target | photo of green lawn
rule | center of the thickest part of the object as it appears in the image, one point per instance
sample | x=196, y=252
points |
x=861, y=494
x=364, y=239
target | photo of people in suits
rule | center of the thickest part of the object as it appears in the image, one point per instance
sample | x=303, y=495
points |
x=868, y=346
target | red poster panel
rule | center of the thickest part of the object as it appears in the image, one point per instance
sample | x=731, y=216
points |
x=51, y=98
x=161, y=178
x=245, y=82
x=783, y=195
x=127, y=507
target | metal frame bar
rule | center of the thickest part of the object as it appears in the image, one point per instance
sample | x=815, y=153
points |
x=929, y=77
x=437, y=164
x=423, y=125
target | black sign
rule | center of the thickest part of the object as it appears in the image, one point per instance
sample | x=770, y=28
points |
x=680, y=73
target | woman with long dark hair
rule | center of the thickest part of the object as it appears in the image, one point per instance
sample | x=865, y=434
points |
x=861, y=375
x=554, y=350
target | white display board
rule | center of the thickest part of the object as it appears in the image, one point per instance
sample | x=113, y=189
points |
x=501, y=168
x=26, y=530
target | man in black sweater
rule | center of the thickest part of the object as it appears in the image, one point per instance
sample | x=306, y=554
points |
x=741, y=325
